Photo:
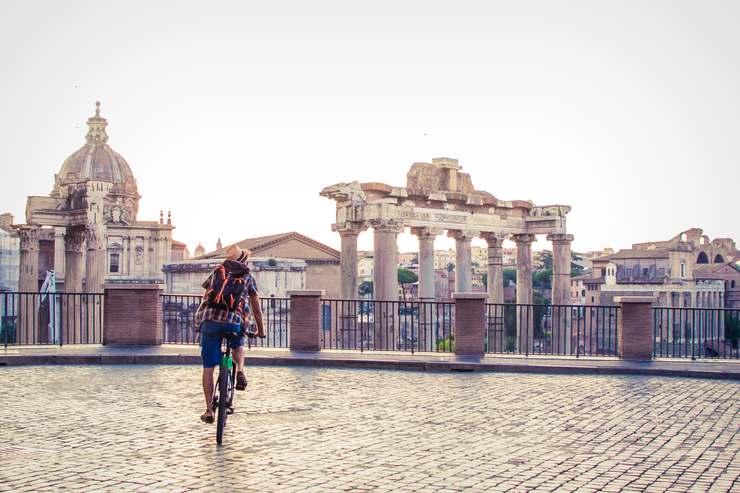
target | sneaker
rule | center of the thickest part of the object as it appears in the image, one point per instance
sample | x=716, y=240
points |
x=241, y=381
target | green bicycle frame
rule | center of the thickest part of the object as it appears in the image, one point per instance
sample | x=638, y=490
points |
x=227, y=362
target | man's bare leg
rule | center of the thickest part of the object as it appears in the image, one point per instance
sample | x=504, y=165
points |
x=238, y=355
x=208, y=388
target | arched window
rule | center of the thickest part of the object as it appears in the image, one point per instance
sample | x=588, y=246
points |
x=683, y=269
x=702, y=258
x=718, y=259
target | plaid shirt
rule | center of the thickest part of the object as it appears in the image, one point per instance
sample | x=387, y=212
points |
x=239, y=316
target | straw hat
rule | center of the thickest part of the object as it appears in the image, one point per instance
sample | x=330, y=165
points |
x=234, y=252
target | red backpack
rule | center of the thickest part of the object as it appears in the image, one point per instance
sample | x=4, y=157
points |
x=226, y=289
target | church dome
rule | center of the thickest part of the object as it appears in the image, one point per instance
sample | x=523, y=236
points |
x=96, y=161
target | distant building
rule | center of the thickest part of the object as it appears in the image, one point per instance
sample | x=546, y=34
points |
x=322, y=261
x=365, y=268
x=179, y=251
x=10, y=254
x=688, y=270
x=408, y=258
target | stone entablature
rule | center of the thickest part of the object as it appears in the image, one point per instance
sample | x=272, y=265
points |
x=360, y=203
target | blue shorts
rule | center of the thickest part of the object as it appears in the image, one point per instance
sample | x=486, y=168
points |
x=211, y=335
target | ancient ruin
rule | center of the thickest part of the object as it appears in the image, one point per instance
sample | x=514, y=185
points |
x=438, y=196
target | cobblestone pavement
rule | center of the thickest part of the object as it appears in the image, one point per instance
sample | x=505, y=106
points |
x=136, y=428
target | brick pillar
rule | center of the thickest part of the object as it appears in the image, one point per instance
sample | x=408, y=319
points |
x=133, y=314
x=470, y=323
x=635, y=334
x=305, y=319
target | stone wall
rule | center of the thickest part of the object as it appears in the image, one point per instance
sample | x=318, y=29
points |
x=324, y=276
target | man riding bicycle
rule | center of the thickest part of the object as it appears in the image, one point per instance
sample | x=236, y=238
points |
x=230, y=296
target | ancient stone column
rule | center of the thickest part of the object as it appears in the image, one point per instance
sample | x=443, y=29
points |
x=348, y=310
x=29, y=262
x=28, y=285
x=560, y=342
x=426, y=261
x=74, y=240
x=59, y=253
x=560, y=267
x=525, y=314
x=95, y=261
x=495, y=327
x=463, y=282
x=385, y=258
x=95, y=271
x=427, y=333
x=495, y=267
x=385, y=282
x=72, y=319
x=348, y=262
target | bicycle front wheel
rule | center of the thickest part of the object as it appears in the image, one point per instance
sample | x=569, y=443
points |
x=223, y=397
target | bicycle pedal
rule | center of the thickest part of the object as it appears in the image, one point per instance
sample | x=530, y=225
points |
x=230, y=410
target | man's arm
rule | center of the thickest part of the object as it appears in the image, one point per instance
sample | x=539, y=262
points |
x=256, y=309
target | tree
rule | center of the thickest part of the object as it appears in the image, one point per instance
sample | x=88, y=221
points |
x=405, y=277
x=542, y=278
x=576, y=269
x=509, y=275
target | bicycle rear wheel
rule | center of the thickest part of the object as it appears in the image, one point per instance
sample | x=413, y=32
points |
x=223, y=397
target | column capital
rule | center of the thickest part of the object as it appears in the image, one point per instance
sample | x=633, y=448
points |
x=349, y=228
x=524, y=238
x=387, y=225
x=74, y=238
x=559, y=237
x=29, y=236
x=426, y=231
x=493, y=239
x=462, y=235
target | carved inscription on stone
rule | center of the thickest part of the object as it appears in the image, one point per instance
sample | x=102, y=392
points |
x=421, y=215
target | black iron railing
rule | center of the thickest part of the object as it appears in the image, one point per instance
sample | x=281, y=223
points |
x=387, y=325
x=178, y=312
x=51, y=318
x=567, y=330
x=696, y=332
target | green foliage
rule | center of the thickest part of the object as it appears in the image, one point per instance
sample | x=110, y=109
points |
x=446, y=345
x=406, y=276
x=7, y=330
x=732, y=329
x=509, y=275
x=545, y=258
x=542, y=279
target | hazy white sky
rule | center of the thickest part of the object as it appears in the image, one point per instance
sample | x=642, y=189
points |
x=628, y=111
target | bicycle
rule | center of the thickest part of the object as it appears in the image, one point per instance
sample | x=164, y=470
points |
x=223, y=396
